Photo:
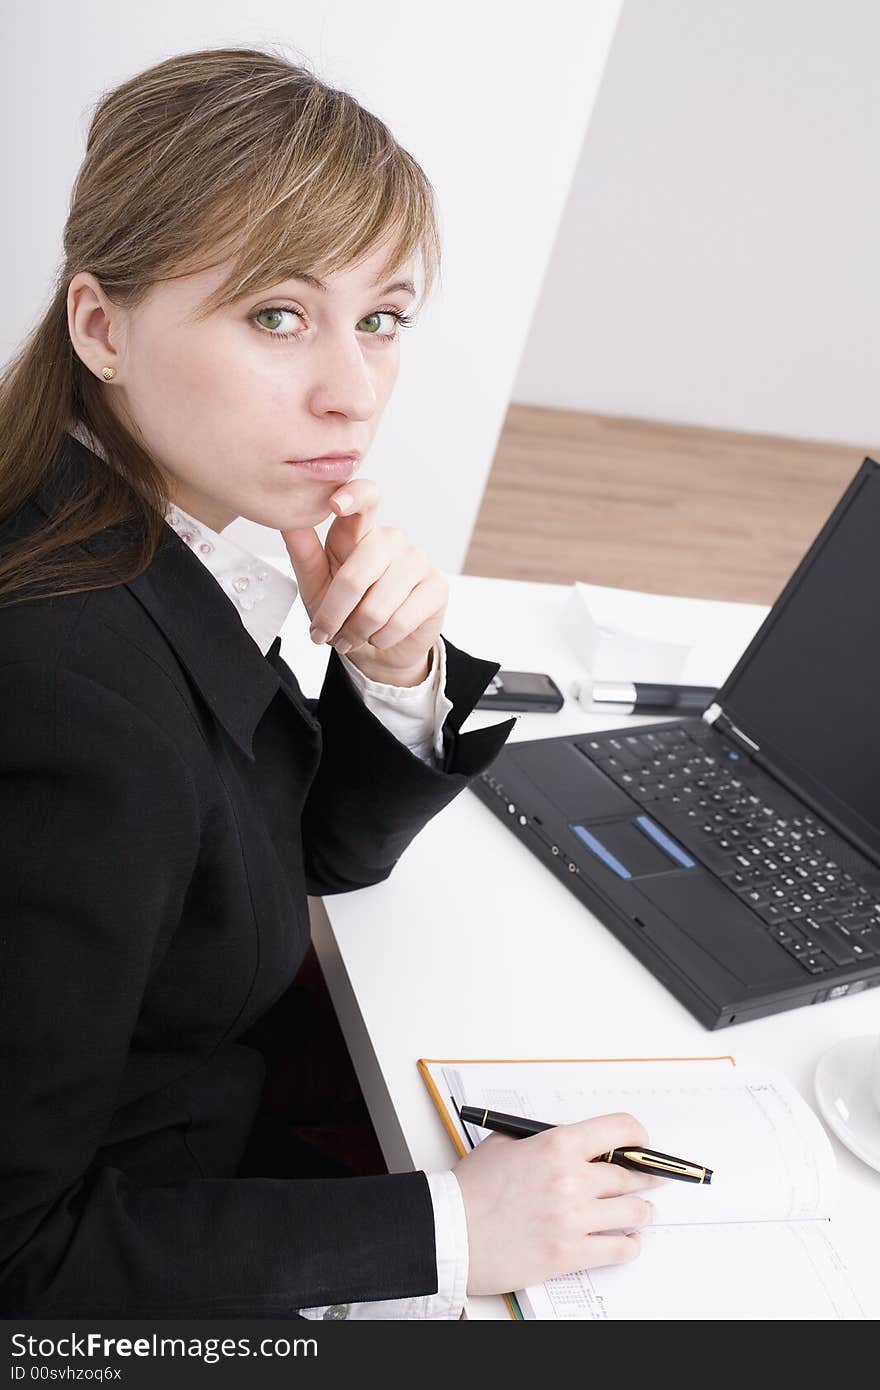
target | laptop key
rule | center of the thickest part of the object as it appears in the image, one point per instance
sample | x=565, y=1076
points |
x=836, y=946
x=862, y=950
x=815, y=920
x=651, y=739
x=812, y=960
x=796, y=937
x=624, y=760
x=758, y=874
x=634, y=743
x=671, y=737
x=857, y=917
x=772, y=915
x=794, y=948
x=816, y=962
x=591, y=746
x=779, y=931
x=870, y=936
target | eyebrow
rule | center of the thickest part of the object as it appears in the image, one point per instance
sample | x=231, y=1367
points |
x=317, y=284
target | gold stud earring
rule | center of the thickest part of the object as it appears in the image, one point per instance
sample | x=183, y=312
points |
x=108, y=373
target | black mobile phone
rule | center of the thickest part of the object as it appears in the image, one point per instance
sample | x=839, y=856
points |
x=522, y=690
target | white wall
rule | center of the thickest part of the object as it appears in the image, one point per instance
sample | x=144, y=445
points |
x=493, y=99
x=718, y=261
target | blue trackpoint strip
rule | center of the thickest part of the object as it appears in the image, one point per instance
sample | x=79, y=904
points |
x=659, y=837
x=601, y=852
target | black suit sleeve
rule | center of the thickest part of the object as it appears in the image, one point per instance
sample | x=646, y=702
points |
x=371, y=795
x=100, y=837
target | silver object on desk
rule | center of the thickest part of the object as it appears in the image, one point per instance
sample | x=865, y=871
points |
x=643, y=697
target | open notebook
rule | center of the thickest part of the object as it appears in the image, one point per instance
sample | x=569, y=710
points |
x=755, y=1244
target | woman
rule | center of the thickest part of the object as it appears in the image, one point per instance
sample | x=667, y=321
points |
x=239, y=259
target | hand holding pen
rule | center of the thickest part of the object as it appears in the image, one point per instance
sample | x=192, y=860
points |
x=541, y=1209
x=633, y=1156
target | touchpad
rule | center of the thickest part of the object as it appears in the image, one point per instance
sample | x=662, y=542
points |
x=576, y=786
x=625, y=849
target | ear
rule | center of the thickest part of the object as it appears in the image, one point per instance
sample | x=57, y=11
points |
x=96, y=325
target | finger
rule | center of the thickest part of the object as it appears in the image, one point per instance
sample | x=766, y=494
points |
x=613, y=1181
x=383, y=599
x=420, y=609
x=424, y=637
x=611, y=1250
x=604, y=1132
x=424, y=606
x=310, y=567
x=355, y=505
x=622, y=1213
x=367, y=563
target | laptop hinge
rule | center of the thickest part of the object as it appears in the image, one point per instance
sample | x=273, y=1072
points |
x=715, y=716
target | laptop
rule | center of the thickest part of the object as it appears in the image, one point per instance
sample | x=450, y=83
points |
x=737, y=854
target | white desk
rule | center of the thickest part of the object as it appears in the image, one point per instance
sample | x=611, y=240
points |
x=469, y=917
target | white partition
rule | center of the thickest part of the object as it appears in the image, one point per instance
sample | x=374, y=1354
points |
x=716, y=261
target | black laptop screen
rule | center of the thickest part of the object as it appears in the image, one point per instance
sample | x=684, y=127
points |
x=807, y=690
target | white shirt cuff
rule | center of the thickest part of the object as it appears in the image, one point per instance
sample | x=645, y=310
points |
x=414, y=714
x=450, y=1237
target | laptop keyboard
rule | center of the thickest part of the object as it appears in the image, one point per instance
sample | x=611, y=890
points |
x=692, y=783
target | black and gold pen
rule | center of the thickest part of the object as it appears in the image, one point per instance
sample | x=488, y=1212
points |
x=632, y=1156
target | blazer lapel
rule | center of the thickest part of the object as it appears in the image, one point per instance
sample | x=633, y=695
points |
x=199, y=621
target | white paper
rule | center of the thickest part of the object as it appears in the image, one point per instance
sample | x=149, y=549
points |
x=761, y=1270
x=623, y=634
x=755, y=1243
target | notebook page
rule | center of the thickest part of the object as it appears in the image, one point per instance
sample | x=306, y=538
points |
x=766, y=1270
x=770, y=1155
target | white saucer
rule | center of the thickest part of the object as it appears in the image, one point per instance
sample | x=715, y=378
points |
x=843, y=1093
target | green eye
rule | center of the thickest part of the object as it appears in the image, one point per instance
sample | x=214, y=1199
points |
x=370, y=324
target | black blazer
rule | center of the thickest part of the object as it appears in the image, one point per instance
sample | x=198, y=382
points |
x=169, y=798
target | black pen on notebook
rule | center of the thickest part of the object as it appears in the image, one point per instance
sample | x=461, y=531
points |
x=644, y=697
x=632, y=1156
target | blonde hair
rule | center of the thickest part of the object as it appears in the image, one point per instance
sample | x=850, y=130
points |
x=298, y=175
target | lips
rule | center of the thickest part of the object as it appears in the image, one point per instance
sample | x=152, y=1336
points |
x=335, y=468
x=353, y=455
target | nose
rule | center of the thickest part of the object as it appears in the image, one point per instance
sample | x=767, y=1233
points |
x=342, y=383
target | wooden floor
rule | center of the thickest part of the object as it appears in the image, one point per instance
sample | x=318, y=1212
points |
x=664, y=508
